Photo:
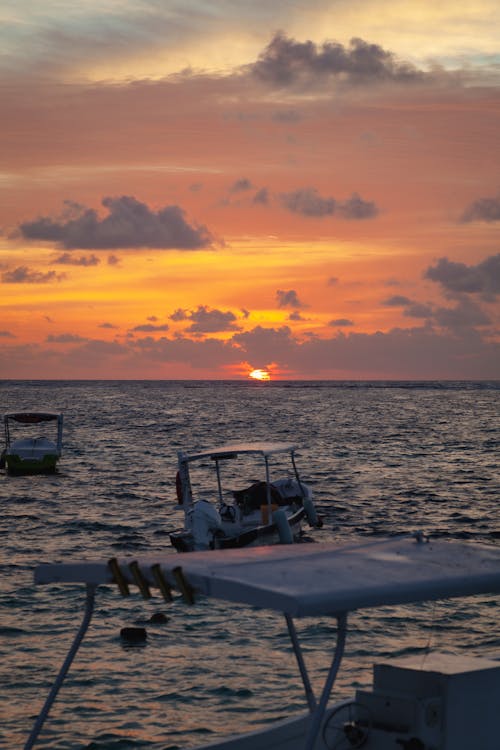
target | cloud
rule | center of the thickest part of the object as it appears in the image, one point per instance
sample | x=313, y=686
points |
x=466, y=314
x=458, y=278
x=111, y=326
x=332, y=281
x=484, y=209
x=397, y=300
x=128, y=224
x=308, y=202
x=204, y=320
x=149, y=328
x=25, y=275
x=286, y=62
x=261, y=197
x=6, y=335
x=83, y=260
x=288, y=298
x=241, y=185
x=341, y=323
x=65, y=338
x=356, y=208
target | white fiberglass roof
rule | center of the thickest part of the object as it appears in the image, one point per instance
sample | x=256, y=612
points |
x=234, y=449
x=316, y=579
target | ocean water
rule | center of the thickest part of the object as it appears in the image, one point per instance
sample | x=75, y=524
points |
x=382, y=459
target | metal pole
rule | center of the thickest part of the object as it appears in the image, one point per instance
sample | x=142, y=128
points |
x=89, y=608
x=319, y=713
x=311, y=700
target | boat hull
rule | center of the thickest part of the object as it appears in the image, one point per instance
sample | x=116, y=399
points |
x=17, y=466
x=255, y=536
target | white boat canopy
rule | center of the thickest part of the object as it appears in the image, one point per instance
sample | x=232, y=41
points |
x=235, y=449
x=310, y=580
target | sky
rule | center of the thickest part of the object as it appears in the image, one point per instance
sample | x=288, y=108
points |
x=194, y=190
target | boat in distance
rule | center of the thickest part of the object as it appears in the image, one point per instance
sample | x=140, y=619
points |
x=265, y=511
x=29, y=454
x=451, y=704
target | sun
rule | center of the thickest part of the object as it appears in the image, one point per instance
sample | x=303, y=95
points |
x=259, y=375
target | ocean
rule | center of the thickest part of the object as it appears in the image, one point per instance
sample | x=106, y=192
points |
x=382, y=458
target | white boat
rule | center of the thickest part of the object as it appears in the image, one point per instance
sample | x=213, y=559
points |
x=268, y=510
x=31, y=454
x=451, y=704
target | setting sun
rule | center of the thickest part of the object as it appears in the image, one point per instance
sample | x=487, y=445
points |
x=259, y=375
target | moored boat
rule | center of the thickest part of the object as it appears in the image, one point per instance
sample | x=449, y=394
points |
x=28, y=454
x=268, y=510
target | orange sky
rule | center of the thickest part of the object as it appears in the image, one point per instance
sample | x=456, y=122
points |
x=185, y=196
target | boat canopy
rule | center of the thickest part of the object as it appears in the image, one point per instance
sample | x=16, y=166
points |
x=32, y=417
x=232, y=450
x=310, y=580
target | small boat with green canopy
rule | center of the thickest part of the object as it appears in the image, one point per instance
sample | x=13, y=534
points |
x=25, y=453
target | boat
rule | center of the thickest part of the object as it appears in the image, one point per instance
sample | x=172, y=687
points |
x=450, y=703
x=262, y=512
x=28, y=454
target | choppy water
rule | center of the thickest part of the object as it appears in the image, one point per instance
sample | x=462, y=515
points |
x=382, y=459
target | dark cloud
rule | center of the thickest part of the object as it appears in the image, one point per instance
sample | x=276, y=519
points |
x=418, y=310
x=332, y=281
x=6, y=335
x=466, y=314
x=295, y=315
x=356, y=208
x=107, y=325
x=65, y=338
x=397, y=300
x=261, y=197
x=150, y=327
x=286, y=62
x=241, y=186
x=341, y=322
x=83, y=260
x=288, y=298
x=308, y=202
x=179, y=314
x=25, y=275
x=484, y=209
x=458, y=278
x=129, y=224
x=113, y=260
x=204, y=320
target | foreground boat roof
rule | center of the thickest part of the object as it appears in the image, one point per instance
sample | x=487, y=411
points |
x=234, y=449
x=314, y=579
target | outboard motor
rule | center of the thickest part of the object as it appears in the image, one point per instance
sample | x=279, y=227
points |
x=205, y=521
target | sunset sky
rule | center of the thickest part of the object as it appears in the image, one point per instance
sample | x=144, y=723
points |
x=201, y=189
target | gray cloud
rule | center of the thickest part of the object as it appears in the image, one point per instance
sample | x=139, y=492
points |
x=204, y=320
x=129, y=224
x=6, y=335
x=150, y=327
x=356, y=208
x=65, y=338
x=484, y=209
x=288, y=298
x=241, y=186
x=308, y=202
x=341, y=323
x=458, y=278
x=25, y=275
x=83, y=260
x=286, y=63
x=466, y=314
x=261, y=197
x=397, y=300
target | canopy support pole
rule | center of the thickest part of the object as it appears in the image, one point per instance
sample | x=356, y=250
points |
x=319, y=712
x=89, y=608
x=311, y=699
